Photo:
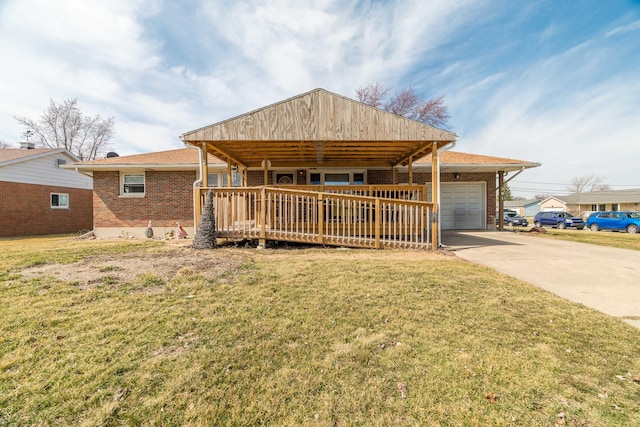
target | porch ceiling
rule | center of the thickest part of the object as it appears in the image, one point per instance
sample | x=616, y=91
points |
x=319, y=129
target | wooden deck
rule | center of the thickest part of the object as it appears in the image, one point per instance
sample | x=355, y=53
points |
x=393, y=216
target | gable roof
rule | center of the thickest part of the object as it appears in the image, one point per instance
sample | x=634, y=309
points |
x=16, y=155
x=559, y=199
x=520, y=203
x=318, y=129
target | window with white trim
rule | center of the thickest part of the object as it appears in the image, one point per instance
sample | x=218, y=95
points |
x=59, y=201
x=337, y=178
x=222, y=179
x=132, y=184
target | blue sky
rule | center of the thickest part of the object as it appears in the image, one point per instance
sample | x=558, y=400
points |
x=555, y=82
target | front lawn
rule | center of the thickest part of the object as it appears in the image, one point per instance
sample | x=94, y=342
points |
x=602, y=238
x=156, y=333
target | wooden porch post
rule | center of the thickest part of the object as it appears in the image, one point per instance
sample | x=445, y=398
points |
x=204, y=167
x=320, y=219
x=262, y=241
x=265, y=166
x=229, y=182
x=378, y=223
x=410, y=169
x=435, y=196
x=500, y=200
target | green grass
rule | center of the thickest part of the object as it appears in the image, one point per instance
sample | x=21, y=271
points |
x=307, y=337
x=601, y=238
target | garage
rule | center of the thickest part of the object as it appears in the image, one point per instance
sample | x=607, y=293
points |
x=462, y=206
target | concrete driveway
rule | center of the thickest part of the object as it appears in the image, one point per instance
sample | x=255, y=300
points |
x=603, y=278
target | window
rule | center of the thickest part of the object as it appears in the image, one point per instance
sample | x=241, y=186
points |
x=602, y=207
x=285, y=178
x=614, y=206
x=133, y=184
x=59, y=201
x=60, y=162
x=337, y=178
x=222, y=179
x=212, y=179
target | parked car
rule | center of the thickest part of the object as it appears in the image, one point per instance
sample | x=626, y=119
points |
x=614, y=220
x=511, y=218
x=558, y=219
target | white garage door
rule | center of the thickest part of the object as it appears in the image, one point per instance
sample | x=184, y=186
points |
x=462, y=206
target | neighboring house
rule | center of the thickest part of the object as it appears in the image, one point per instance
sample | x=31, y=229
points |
x=552, y=204
x=524, y=208
x=584, y=204
x=38, y=196
x=317, y=168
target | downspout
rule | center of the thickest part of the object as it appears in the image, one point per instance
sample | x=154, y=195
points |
x=441, y=150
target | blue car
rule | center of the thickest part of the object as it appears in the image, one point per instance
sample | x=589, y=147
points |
x=558, y=219
x=614, y=220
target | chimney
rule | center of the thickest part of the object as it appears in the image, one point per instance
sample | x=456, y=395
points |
x=27, y=145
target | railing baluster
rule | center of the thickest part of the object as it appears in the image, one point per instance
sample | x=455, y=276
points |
x=395, y=217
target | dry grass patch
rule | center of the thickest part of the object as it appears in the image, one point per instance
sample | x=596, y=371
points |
x=306, y=337
x=601, y=238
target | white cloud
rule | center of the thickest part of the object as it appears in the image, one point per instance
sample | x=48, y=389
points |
x=164, y=68
x=634, y=26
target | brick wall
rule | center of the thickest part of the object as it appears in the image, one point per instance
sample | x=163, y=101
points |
x=25, y=209
x=168, y=199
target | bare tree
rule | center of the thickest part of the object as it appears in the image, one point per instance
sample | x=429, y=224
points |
x=373, y=95
x=587, y=183
x=541, y=196
x=4, y=144
x=408, y=103
x=64, y=126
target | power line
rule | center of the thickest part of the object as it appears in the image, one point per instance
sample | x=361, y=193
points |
x=567, y=184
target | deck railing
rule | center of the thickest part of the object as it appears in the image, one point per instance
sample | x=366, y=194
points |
x=390, y=191
x=329, y=218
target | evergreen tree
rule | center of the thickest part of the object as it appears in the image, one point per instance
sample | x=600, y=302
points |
x=207, y=232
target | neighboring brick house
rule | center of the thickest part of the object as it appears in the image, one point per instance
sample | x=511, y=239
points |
x=130, y=191
x=38, y=196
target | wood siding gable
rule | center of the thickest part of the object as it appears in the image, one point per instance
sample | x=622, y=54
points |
x=319, y=115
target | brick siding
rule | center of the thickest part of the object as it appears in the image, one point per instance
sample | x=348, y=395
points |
x=168, y=199
x=25, y=209
x=169, y=195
